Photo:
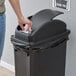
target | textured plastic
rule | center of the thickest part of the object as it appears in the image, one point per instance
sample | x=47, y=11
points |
x=43, y=23
x=43, y=51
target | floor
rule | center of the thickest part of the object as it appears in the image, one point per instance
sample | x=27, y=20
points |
x=5, y=72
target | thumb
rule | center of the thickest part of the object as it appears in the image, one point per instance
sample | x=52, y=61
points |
x=22, y=27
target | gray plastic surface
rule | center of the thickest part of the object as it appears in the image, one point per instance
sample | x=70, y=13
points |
x=43, y=17
x=42, y=23
x=43, y=51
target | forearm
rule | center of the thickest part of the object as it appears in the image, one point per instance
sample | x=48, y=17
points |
x=21, y=20
x=16, y=6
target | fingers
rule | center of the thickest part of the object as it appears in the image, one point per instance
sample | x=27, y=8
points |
x=22, y=27
x=27, y=22
x=26, y=27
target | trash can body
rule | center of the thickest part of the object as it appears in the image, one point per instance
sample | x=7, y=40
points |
x=51, y=62
x=22, y=63
x=43, y=51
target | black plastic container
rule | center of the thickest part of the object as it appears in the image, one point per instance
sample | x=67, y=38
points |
x=43, y=51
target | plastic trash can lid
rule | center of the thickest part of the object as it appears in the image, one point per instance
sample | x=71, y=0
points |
x=44, y=26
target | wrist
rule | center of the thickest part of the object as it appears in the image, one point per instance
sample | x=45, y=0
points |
x=20, y=17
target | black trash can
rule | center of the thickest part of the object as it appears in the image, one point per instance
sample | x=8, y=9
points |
x=43, y=51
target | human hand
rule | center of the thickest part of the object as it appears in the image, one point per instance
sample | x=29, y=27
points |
x=26, y=21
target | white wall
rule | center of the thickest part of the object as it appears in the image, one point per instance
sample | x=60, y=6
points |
x=29, y=7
